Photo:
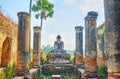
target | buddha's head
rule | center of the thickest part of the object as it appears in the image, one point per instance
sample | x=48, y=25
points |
x=58, y=38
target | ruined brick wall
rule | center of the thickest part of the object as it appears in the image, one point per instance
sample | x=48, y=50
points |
x=8, y=40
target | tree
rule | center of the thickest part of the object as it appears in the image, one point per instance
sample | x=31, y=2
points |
x=43, y=10
x=30, y=6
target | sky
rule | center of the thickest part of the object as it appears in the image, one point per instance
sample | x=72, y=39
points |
x=67, y=15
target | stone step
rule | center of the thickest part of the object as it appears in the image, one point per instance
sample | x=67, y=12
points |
x=18, y=77
x=92, y=78
x=81, y=70
x=56, y=76
x=32, y=72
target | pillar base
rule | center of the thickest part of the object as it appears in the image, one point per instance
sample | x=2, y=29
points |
x=90, y=64
x=36, y=61
x=88, y=75
x=79, y=59
x=113, y=75
x=22, y=69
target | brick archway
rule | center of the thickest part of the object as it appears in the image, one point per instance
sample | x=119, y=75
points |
x=6, y=52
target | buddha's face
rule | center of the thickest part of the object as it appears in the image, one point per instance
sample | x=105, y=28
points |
x=58, y=39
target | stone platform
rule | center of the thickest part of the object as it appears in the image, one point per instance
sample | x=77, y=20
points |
x=58, y=58
x=32, y=72
x=56, y=76
x=57, y=68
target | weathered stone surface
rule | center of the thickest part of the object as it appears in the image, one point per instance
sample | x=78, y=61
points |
x=37, y=46
x=101, y=61
x=79, y=45
x=79, y=59
x=8, y=40
x=90, y=45
x=113, y=75
x=23, y=43
x=112, y=23
x=58, y=46
x=90, y=64
x=58, y=58
x=22, y=68
x=90, y=34
x=57, y=68
x=36, y=60
x=79, y=39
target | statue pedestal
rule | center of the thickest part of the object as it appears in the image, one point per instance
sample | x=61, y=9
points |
x=58, y=58
x=91, y=75
x=56, y=63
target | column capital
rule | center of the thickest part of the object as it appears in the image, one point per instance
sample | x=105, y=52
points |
x=25, y=14
x=93, y=15
x=79, y=28
x=37, y=29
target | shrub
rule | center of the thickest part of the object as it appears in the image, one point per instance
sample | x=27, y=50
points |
x=102, y=71
x=72, y=58
x=9, y=72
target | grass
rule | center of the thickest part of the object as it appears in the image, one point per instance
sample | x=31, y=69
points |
x=63, y=76
x=70, y=76
x=43, y=77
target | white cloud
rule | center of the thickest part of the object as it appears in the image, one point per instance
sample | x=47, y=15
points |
x=62, y=11
x=88, y=5
x=68, y=42
x=51, y=21
x=52, y=37
x=69, y=1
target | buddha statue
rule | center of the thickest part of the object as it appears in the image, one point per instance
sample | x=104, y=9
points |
x=58, y=46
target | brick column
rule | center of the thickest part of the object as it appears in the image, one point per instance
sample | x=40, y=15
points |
x=112, y=23
x=36, y=46
x=23, y=43
x=79, y=45
x=90, y=45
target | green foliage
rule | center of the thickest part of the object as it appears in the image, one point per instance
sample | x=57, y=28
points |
x=44, y=55
x=69, y=76
x=102, y=29
x=43, y=77
x=9, y=72
x=43, y=9
x=63, y=76
x=72, y=58
x=43, y=6
x=46, y=50
x=31, y=58
x=102, y=71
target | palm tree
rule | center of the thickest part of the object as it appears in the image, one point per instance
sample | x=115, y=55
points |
x=30, y=6
x=43, y=9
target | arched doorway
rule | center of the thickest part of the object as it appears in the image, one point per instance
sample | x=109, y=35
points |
x=6, y=49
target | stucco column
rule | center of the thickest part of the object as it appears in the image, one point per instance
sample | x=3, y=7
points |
x=112, y=23
x=23, y=43
x=90, y=45
x=79, y=45
x=36, y=46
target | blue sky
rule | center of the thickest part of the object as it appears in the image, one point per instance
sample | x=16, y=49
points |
x=68, y=14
